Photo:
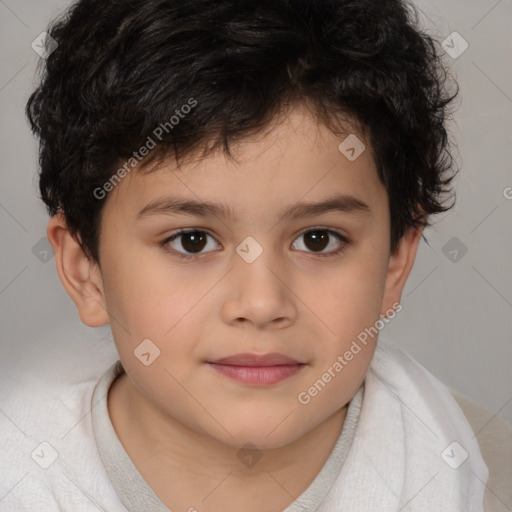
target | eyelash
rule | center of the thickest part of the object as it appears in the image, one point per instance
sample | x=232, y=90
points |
x=341, y=238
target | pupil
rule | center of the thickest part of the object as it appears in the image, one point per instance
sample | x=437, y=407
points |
x=193, y=241
x=319, y=239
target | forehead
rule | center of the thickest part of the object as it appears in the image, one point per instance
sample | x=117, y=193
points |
x=296, y=159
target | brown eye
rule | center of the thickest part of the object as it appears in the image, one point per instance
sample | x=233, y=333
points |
x=194, y=241
x=189, y=243
x=317, y=240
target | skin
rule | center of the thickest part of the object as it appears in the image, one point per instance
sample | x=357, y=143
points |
x=178, y=416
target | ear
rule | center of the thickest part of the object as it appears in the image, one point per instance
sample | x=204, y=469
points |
x=399, y=268
x=80, y=275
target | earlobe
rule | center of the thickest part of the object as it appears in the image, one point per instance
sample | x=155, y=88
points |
x=80, y=275
x=400, y=266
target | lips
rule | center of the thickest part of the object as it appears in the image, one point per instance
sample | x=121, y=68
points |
x=256, y=369
x=247, y=359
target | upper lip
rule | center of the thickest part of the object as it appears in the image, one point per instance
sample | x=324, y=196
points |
x=248, y=359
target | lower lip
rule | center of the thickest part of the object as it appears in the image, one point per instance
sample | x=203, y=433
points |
x=259, y=375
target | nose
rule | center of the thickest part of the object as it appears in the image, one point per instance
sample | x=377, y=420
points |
x=260, y=293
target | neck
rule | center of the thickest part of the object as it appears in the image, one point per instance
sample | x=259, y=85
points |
x=211, y=473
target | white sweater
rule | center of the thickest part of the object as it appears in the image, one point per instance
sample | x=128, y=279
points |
x=405, y=445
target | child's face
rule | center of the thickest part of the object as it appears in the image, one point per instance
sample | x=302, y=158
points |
x=289, y=299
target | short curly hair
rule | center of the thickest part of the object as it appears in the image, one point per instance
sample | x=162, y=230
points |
x=123, y=68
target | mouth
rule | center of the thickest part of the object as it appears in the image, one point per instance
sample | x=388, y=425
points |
x=255, y=369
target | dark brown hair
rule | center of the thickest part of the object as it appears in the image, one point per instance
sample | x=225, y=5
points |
x=122, y=68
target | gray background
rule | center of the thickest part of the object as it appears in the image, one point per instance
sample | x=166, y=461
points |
x=457, y=316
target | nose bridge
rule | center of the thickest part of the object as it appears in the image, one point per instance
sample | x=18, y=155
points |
x=257, y=263
x=259, y=290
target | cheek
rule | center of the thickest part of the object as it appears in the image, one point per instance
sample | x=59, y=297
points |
x=148, y=302
x=352, y=301
x=351, y=308
x=146, y=295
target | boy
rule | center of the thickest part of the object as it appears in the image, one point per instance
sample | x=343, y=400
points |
x=239, y=190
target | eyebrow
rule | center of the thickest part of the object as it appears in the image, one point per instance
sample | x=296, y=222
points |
x=174, y=206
